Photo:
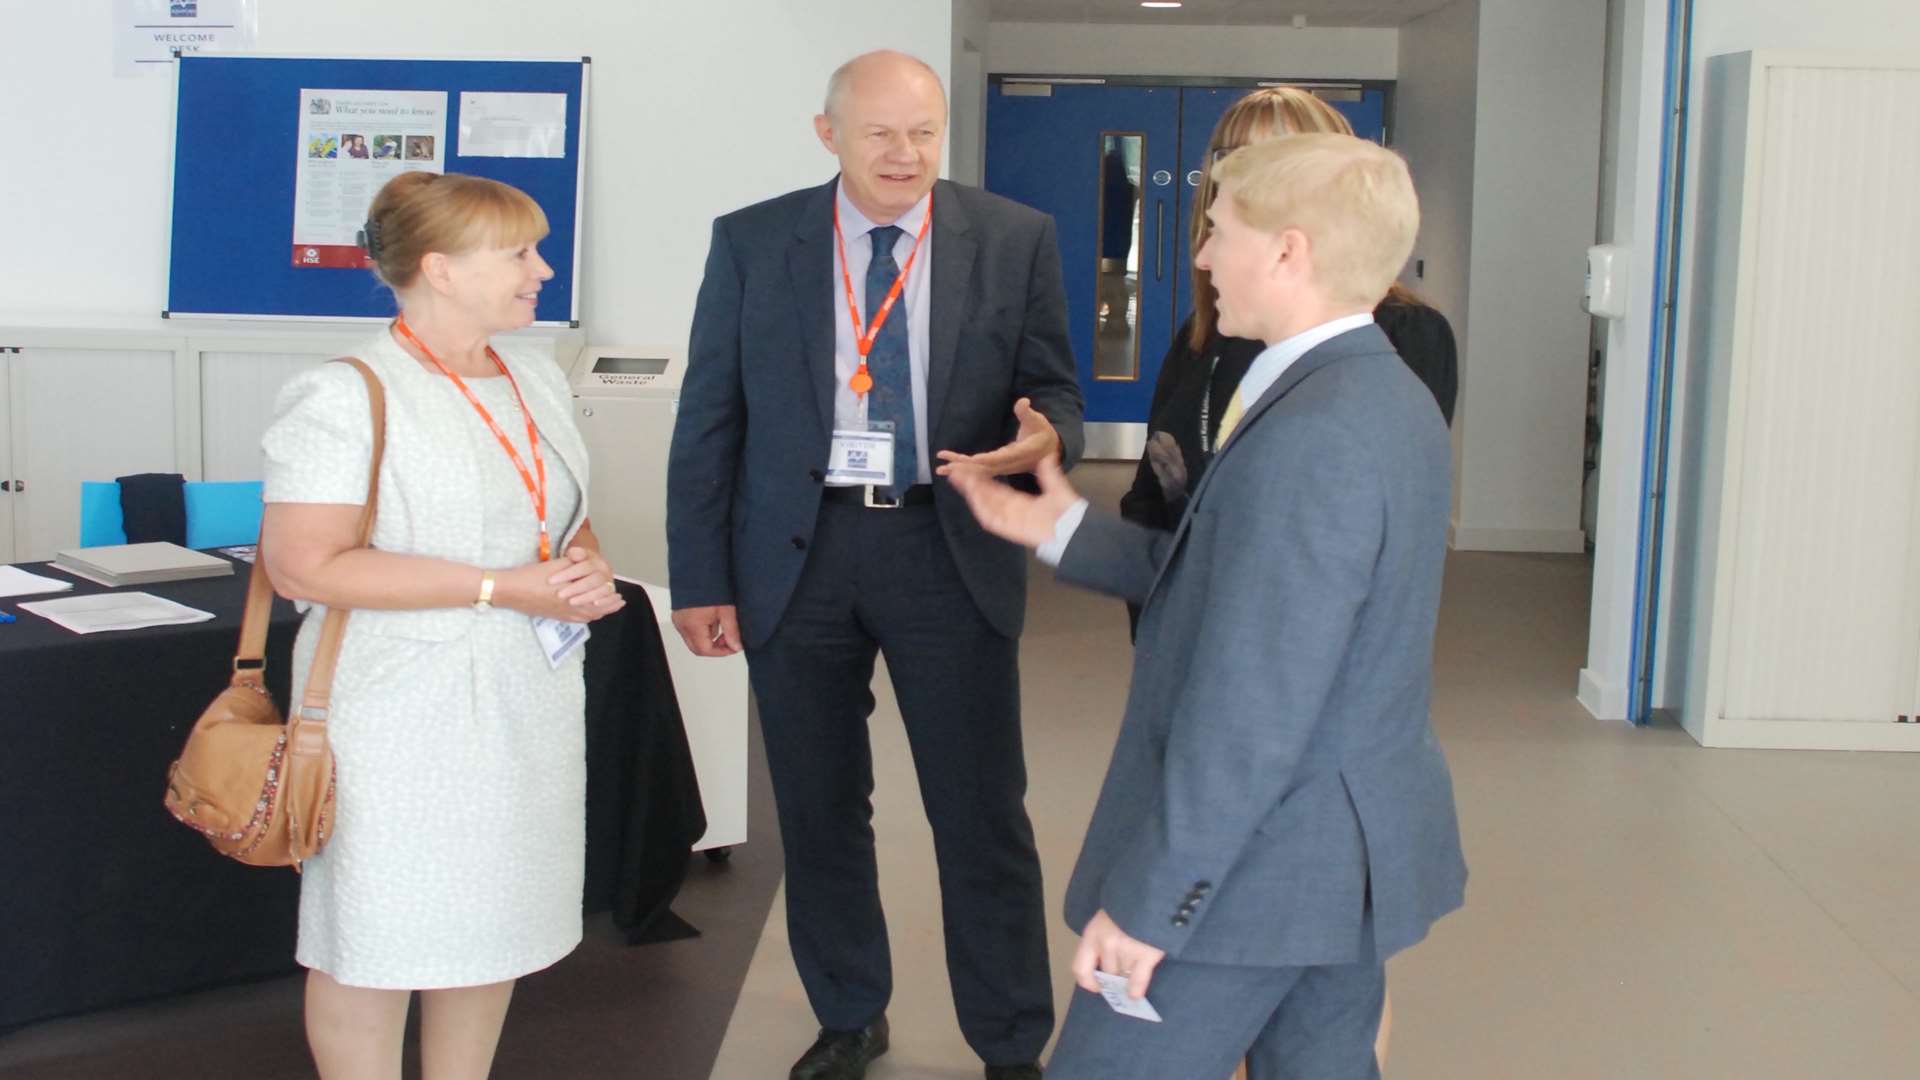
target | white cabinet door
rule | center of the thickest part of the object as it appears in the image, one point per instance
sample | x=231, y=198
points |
x=83, y=414
x=238, y=388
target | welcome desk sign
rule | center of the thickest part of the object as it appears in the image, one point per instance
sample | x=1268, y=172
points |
x=147, y=33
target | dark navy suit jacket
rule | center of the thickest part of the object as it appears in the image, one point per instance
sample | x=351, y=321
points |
x=751, y=441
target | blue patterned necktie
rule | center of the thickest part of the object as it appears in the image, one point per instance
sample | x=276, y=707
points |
x=891, y=399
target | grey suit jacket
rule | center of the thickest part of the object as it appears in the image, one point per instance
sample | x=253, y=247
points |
x=756, y=411
x=1276, y=774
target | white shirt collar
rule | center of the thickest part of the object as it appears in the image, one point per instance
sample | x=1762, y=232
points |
x=1278, y=357
x=853, y=223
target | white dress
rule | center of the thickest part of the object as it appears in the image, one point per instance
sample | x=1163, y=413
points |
x=458, y=845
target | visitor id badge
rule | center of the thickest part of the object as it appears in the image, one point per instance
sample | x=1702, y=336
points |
x=861, y=456
x=558, y=639
x=1114, y=989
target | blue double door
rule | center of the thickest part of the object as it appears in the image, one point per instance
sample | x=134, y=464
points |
x=1118, y=167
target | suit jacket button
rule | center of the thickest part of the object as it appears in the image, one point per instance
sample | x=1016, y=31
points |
x=817, y=476
x=1179, y=920
x=1203, y=887
x=1189, y=907
x=799, y=543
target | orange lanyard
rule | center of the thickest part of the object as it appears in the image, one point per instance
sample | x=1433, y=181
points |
x=862, y=380
x=536, y=492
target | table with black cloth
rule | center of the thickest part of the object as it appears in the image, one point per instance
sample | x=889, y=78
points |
x=105, y=899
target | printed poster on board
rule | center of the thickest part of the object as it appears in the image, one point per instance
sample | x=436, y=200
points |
x=351, y=142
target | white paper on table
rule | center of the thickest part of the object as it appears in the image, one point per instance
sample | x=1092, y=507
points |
x=114, y=611
x=17, y=582
x=513, y=125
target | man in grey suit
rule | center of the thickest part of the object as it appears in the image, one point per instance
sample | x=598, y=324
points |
x=1278, y=818
x=848, y=339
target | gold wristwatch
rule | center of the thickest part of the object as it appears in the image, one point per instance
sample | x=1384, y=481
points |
x=485, y=603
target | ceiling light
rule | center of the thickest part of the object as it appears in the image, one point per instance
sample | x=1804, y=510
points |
x=1299, y=22
x=1160, y=3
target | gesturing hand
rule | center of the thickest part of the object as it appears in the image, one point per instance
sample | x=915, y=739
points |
x=1103, y=945
x=1035, y=442
x=1015, y=515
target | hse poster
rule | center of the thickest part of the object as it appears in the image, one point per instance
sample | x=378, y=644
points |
x=350, y=143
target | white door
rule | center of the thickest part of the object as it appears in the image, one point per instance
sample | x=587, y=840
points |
x=82, y=414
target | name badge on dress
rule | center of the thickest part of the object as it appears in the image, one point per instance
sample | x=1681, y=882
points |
x=861, y=455
x=558, y=639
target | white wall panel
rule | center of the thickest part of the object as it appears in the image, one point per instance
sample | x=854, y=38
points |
x=83, y=414
x=238, y=390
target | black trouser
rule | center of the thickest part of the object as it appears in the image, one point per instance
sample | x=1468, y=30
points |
x=882, y=581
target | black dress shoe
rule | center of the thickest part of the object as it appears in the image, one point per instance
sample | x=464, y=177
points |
x=1013, y=1072
x=842, y=1055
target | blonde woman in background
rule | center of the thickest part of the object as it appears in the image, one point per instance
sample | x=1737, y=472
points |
x=1202, y=367
x=458, y=848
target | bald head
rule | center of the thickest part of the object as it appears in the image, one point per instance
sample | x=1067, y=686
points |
x=885, y=71
x=886, y=121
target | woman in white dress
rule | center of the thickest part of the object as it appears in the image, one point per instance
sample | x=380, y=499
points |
x=458, y=845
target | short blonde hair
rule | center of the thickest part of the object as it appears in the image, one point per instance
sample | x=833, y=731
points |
x=1352, y=199
x=1265, y=113
x=420, y=212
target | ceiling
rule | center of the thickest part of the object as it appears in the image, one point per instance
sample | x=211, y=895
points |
x=1376, y=13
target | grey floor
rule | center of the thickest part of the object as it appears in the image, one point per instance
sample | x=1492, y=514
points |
x=1639, y=907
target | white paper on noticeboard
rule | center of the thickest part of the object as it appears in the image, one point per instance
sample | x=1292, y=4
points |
x=513, y=125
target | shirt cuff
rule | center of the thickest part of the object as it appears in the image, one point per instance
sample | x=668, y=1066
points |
x=1063, y=530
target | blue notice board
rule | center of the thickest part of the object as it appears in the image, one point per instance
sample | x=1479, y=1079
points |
x=240, y=148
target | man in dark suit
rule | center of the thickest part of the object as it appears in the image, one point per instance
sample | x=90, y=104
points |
x=806, y=525
x=1278, y=818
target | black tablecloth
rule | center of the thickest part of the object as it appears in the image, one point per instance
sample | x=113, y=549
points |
x=105, y=899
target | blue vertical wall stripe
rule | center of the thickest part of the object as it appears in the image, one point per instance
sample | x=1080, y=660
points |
x=236, y=157
x=1648, y=559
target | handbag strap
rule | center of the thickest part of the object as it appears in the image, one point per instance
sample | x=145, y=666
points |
x=249, y=662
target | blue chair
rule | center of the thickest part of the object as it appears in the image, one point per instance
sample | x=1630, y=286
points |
x=100, y=520
x=219, y=514
x=222, y=514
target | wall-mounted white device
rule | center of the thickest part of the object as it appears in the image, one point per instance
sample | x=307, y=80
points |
x=1606, y=294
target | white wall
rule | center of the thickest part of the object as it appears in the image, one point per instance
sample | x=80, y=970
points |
x=1434, y=129
x=1634, y=185
x=1523, y=383
x=1020, y=48
x=967, y=93
x=696, y=109
x=1720, y=26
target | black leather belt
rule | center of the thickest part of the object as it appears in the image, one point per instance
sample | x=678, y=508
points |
x=873, y=499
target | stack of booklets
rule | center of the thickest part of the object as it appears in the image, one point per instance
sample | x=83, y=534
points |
x=140, y=564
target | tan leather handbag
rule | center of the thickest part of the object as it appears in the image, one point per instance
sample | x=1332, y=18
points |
x=260, y=788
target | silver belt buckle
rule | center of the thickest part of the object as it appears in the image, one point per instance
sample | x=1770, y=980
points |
x=872, y=505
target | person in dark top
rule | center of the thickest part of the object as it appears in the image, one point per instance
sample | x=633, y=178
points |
x=1202, y=367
